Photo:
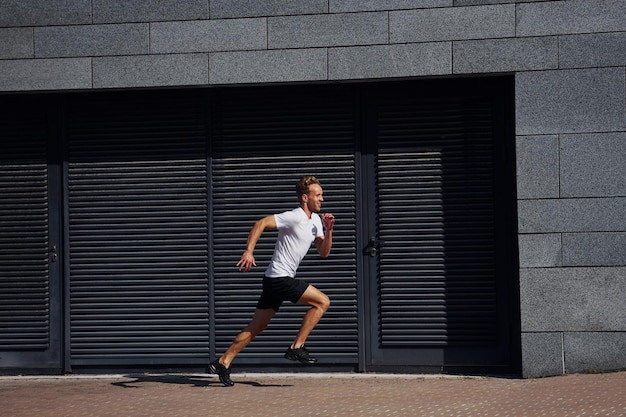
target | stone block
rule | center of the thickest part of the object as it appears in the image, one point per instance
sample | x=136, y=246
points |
x=346, y=29
x=594, y=352
x=483, y=2
x=571, y=215
x=44, y=12
x=151, y=71
x=505, y=55
x=226, y=9
x=593, y=165
x=596, y=50
x=16, y=43
x=537, y=166
x=452, y=23
x=347, y=6
x=45, y=74
x=570, y=101
x=381, y=61
x=268, y=66
x=569, y=17
x=573, y=299
x=540, y=250
x=208, y=35
x=91, y=40
x=119, y=11
x=594, y=249
x=542, y=354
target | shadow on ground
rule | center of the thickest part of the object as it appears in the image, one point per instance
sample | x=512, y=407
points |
x=136, y=381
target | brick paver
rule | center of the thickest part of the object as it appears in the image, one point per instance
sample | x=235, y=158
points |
x=312, y=395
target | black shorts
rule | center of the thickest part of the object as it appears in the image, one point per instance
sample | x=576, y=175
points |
x=277, y=290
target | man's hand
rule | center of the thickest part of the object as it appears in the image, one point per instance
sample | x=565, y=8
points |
x=324, y=243
x=246, y=262
x=328, y=220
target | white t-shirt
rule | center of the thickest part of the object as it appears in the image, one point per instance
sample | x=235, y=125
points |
x=296, y=233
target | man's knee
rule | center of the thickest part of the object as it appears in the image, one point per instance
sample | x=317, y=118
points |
x=260, y=321
x=323, y=302
x=315, y=298
x=254, y=328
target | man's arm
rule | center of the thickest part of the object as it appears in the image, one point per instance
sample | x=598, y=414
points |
x=247, y=259
x=324, y=243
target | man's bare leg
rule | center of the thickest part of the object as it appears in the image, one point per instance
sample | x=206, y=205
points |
x=258, y=323
x=221, y=366
x=319, y=303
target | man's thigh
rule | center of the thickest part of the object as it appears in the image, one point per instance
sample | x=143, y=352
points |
x=314, y=297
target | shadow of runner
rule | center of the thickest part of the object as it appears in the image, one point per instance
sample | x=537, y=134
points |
x=191, y=380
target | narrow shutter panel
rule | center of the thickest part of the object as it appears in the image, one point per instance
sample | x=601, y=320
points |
x=436, y=202
x=24, y=285
x=138, y=222
x=265, y=140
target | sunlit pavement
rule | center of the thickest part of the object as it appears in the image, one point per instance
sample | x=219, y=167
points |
x=312, y=395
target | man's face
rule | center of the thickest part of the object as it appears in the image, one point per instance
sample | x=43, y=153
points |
x=314, y=198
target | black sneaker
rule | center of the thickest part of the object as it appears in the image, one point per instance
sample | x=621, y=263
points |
x=223, y=372
x=299, y=355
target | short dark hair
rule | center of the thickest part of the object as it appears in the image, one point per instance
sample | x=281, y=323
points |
x=302, y=187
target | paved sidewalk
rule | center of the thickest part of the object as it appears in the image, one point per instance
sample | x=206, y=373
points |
x=279, y=395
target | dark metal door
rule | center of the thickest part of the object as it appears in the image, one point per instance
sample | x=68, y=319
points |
x=264, y=140
x=138, y=228
x=30, y=252
x=436, y=240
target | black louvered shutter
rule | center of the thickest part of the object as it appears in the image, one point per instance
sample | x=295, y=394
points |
x=138, y=228
x=264, y=141
x=24, y=221
x=436, y=185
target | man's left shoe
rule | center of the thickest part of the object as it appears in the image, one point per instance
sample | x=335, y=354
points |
x=222, y=372
x=299, y=355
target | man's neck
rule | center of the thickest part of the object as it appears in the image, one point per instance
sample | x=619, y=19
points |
x=306, y=210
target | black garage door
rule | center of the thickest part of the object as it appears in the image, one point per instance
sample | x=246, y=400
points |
x=263, y=141
x=440, y=275
x=138, y=228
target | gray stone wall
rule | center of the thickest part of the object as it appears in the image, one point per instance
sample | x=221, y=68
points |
x=569, y=60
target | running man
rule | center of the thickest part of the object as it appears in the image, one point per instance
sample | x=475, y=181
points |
x=297, y=230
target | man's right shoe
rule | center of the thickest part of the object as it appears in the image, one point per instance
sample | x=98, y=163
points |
x=223, y=372
x=299, y=355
